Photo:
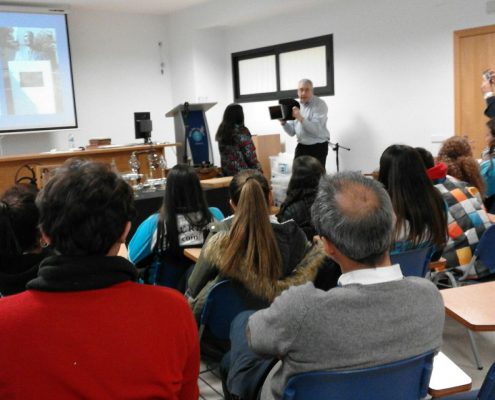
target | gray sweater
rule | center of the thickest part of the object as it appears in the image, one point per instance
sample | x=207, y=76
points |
x=346, y=327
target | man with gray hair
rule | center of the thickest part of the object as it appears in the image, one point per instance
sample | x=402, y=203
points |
x=309, y=124
x=375, y=315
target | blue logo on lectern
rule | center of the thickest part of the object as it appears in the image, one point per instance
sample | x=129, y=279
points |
x=197, y=135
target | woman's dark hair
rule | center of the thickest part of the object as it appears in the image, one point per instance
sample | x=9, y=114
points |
x=426, y=156
x=303, y=184
x=183, y=195
x=84, y=208
x=19, y=220
x=456, y=152
x=491, y=146
x=233, y=117
x=252, y=240
x=415, y=200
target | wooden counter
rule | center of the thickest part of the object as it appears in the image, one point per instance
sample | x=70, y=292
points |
x=10, y=165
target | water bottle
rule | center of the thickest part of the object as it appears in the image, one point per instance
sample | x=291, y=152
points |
x=72, y=141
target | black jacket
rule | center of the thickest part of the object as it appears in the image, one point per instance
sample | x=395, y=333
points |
x=490, y=107
x=300, y=212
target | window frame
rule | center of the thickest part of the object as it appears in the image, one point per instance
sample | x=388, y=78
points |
x=276, y=50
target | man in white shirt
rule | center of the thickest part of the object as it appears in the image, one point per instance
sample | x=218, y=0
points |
x=309, y=124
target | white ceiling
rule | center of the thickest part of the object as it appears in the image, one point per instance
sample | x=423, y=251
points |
x=157, y=7
x=218, y=12
x=163, y=7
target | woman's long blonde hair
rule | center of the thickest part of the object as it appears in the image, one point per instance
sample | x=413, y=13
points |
x=252, y=240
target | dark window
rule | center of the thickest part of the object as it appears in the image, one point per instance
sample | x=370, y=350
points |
x=271, y=73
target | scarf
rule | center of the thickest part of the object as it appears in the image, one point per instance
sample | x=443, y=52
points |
x=62, y=273
x=438, y=172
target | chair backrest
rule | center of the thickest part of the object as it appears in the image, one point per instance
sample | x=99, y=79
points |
x=487, y=390
x=485, y=251
x=222, y=305
x=401, y=380
x=217, y=213
x=413, y=262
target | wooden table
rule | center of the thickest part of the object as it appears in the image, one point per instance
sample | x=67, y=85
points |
x=192, y=253
x=26, y=164
x=447, y=378
x=215, y=183
x=472, y=306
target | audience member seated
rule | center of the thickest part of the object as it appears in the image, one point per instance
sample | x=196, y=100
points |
x=457, y=154
x=159, y=242
x=466, y=217
x=21, y=247
x=251, y=248
x=375, y=316
x=419, y=208
x=84, y=329
x=237, y=151
x=488, y=166
x=301, y=193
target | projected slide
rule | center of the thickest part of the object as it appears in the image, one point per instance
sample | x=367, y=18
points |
x=36, y=90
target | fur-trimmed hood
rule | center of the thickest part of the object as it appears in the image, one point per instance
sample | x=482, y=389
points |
x=301, y=261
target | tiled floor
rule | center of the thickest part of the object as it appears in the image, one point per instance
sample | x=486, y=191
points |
x=210, y=384
x=456, y=346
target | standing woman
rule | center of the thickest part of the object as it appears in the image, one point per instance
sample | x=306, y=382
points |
x=301, y=193
x=488, y=166
x=182, y=222
x=418, y=206
x=237, y=151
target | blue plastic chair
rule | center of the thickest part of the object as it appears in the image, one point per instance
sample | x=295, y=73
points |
x=401, y=380
x=484, y=253
x=222, y=305
x=413, y=262
x=486, y=392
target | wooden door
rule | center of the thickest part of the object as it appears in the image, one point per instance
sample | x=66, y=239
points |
x=474, y=52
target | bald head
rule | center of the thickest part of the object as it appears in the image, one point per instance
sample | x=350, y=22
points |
x=356, y=201
x=354, y=213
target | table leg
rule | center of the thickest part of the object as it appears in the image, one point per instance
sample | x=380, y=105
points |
x=475, y=350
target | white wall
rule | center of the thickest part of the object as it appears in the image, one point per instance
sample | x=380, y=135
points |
x=200, y=67
x=116, y=66
x=393, y=67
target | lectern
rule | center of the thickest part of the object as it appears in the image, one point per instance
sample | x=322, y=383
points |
x=191, y=129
